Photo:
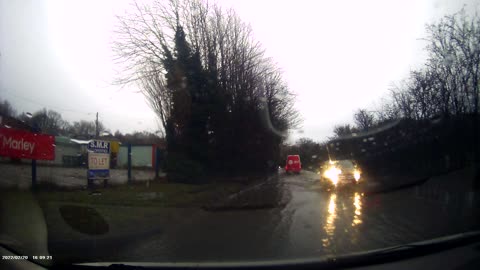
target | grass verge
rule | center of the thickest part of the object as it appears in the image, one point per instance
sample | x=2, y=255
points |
x=153, y=194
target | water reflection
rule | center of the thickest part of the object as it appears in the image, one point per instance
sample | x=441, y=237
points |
x=335, y=211
x=330, y=224
x=357, y=203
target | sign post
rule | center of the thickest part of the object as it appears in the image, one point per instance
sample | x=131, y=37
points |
x=129, y=159
x=98, y=161
x=34, y=173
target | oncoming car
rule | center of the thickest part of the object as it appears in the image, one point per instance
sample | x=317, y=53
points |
x=340, y=172
x=293, y=164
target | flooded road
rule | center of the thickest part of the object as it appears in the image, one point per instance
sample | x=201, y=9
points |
x=286, y=217
x=303, y=221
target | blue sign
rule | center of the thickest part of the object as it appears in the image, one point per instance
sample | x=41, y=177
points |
x=99, y=146
x=98, y=159
x=98, y=174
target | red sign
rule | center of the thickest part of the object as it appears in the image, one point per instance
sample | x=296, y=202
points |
x=16, y=143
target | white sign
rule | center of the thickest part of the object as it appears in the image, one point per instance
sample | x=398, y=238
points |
x=98, y=161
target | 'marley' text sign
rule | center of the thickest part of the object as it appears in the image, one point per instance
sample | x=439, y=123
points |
x=23, y=144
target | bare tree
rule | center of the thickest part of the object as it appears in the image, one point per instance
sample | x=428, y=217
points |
x=448, y=83
x=160, y=99
x=454, y=60
x=206, y=77
x=84, y=129
x=343, y=130
x=49, y=121
x=387, y=111
x=447, y=86
x=364, y=119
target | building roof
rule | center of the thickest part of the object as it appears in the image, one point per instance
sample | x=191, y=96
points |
x=80, y=141
x=62, y=140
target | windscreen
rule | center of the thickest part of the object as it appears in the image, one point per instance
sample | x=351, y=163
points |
x=236, y=130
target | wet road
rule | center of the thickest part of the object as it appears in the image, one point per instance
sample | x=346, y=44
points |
x=289, y=216
x=296, y=218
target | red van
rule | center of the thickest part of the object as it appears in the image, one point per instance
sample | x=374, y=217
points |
x=293, y=164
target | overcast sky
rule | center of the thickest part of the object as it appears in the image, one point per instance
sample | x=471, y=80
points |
x=337, y=56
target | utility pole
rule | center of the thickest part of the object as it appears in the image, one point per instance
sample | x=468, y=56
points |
x=96, y=127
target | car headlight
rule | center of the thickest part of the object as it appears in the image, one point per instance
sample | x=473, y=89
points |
x=332, y=173
x=356, y=175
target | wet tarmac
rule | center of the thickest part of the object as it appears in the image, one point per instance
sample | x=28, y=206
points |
x=298, y=218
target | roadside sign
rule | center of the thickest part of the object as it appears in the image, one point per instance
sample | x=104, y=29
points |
x=98, y=159
x=99, y=146
x=16, y=143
